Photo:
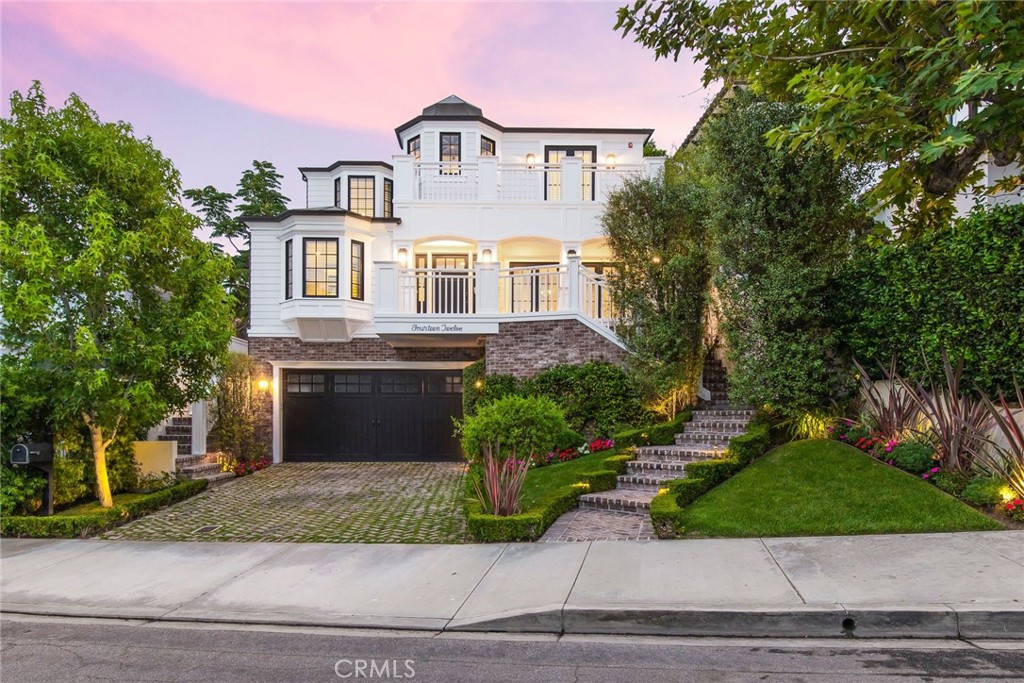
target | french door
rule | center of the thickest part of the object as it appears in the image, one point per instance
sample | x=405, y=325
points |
x=535, y=287
x=553, y=190
x=447, y=288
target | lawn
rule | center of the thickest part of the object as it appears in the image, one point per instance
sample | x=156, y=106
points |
x=812, y=488
x=543, y=481
x=93, y=507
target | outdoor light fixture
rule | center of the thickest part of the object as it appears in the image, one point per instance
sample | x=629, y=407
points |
x=479, y=384
x=656, y=259
x=531, y=159
x=263, y=385
x=487, y=256
x=571, y=253
x=610, y=161
x=403, y=258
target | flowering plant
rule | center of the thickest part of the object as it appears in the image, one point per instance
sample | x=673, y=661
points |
x=1015, y=509
x=244, y=467
x=567, y=454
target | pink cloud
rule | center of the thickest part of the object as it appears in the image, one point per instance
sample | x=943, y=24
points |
x=370, y=67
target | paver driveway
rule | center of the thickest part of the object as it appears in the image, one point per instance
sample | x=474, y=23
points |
x=405, y=502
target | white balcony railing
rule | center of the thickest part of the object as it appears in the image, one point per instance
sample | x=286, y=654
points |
x=488, y=180
x=486, y=290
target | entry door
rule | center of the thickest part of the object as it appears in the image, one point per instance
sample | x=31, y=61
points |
x=452, y=293
x=553, y=190
x=534, y=287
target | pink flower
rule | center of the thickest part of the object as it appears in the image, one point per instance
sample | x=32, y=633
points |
x=935, y=469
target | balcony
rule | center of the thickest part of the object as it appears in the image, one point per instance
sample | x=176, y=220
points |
x=425, y=306
x=488, y=181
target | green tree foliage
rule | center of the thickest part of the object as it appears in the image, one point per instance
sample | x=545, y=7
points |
x=651, y=149
x=514, y=425
x=237, y=408
x=259, y=194
x=960, y=289
x=925, y=88
x=784, y=224
x=597, y=397
x=657, y=233
x=111, y=305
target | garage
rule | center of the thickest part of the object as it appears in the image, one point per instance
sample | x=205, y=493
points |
x=360, y=415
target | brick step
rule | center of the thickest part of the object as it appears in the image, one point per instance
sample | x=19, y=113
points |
x=175, y=437
x=723, y=424
x=217, y=477
x=643, y=482
x=707, y=439
x=181, y=421
x=677, y=453
x=670, y=469
x=175, y=430
x=627, y=501
x=718, y=413
x=200, y=468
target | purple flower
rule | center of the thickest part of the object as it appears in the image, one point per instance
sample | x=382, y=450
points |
x=925, y=475
x=934, y=470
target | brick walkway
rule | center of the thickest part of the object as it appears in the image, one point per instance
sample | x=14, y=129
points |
x=403, y=502
x=584, y=524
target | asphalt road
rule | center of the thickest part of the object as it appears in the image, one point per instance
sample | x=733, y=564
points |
x=49, y=649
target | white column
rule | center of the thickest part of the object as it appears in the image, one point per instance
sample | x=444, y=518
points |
x=199, y=411
x=386, y=300
x=404, y=177
x=488, y=167
x=573, y=303
x=572, y=180
x=487, y=288
x=653, y=166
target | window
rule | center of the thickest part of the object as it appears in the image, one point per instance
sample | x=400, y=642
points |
x=320, y=263
x=306, y=383
x=389, y=198
x=356, y=265
x=400, y=383
x=288, y=269
x=451, y=151
x=337, y=192
x=353, y=383
x=487, y=147
x=360, y=194
x=412, y=147
x=553, y=178
x=444, y=384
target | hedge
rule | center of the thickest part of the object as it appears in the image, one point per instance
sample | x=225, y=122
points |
x=531, y=524
x=662, y=434
x=80, y=526
x=702, y=476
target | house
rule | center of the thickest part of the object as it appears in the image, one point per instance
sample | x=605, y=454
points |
x=477, y=240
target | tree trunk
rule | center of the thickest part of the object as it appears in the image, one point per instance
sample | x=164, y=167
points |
x=99, y=454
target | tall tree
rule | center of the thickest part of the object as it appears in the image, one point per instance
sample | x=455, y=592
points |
x=783, y=224
x=927, y=89
x=259, y=194
x=109, y=301
x=656, y=231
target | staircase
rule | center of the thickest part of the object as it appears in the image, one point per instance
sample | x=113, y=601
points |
x=704, y=437
x=191, y=466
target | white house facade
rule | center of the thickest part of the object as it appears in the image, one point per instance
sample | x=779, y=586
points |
x=476, y=241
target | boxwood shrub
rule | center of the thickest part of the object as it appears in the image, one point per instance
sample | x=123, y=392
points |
x=661, y=434
x=80, y=526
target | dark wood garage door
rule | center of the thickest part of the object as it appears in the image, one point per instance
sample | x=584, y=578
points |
x=354, y=415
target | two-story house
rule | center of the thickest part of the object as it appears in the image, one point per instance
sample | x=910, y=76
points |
x=478, y=240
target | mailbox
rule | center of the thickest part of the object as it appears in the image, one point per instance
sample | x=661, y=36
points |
x=40, y=457
x=31, y=453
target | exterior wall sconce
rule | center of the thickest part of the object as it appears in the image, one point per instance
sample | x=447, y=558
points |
x=403, y=258
x=571, y=253
x=656, y=259
x=531, y=159
x=610, y=161
x=479, y=384
x=486, y=256
x=263, y=385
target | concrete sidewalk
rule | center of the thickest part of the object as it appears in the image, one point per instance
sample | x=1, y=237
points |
x=967, y=585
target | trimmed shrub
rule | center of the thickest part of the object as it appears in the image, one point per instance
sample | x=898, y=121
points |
x=80, y=526
x=713, y=472
x=479, y=388
x=687, y=490
x=597, y=397
x=617, y=463
x=665, y=516
x=984, y=491
x=525, y=426
x=745, y=448
x=569, y=439
x=913, y=456
x=663, y=434
x=20, y=490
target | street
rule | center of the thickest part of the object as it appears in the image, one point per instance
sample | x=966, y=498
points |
x=54, y=649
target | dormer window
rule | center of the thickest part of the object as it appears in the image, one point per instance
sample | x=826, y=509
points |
x=488, y=148
x=412, y=147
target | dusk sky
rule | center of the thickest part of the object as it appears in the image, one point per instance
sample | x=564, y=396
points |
x=217, y=85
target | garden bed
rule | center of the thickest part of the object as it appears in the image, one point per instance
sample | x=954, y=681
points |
x=819, y=487
x=87, y=519
x=548, y=492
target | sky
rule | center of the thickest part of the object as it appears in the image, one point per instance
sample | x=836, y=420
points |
x=217, y=85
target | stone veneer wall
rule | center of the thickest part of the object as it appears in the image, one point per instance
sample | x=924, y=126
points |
x=525, y=348
x=265, y=349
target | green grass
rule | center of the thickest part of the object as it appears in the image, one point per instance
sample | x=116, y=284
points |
x=94, y=506
x=543, y=481
x=812, y=488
